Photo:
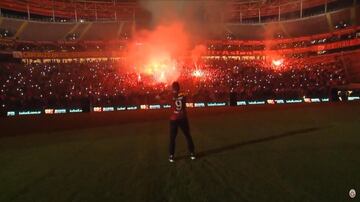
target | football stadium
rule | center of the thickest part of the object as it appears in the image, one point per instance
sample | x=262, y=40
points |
x=179, y=100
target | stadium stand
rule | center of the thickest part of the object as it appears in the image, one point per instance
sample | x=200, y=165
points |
x=71, y=61
x=67, y=84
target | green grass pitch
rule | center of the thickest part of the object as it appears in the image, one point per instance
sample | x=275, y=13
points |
x=306, y=152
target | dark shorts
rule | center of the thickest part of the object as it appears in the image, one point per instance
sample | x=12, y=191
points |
x=183, y=124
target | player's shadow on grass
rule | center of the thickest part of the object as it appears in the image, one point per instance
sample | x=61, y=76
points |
x=250, y=142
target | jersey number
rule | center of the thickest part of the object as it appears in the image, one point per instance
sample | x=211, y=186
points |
x=178, y=104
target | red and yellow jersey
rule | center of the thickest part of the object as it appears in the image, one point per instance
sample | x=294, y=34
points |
x=178, y=107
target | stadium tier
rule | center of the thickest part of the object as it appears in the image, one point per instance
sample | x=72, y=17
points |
x=237, y=10
x=104, y=83
x=324, y=18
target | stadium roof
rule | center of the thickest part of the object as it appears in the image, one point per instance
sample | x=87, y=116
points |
x=125, y=9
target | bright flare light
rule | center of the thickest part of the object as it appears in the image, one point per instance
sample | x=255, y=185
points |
x=198, y=73
x=163, y=70
x=278, y=62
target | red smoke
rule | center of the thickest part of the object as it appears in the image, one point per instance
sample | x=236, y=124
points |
x=156, y=52
x=178, y=26
x=197, y=52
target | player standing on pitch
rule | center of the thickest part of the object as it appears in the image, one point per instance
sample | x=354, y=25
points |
x=178, y=119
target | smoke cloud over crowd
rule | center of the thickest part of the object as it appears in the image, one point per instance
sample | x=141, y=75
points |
x=177, y=30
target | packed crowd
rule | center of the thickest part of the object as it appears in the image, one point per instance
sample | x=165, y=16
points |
x=276, y=45
x=107, y=83
x=61, y=46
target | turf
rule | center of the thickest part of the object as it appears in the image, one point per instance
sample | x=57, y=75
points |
x=263, y=153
